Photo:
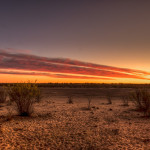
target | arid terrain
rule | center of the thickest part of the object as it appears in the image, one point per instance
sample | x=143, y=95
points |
x=57, y=125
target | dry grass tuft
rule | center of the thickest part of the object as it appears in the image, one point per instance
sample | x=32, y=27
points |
x=125, y=100
x=38, y=96
x=70, y=99
x=89, y=98
x=109, y=97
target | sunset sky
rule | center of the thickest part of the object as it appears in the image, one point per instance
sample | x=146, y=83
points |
x=99, y=41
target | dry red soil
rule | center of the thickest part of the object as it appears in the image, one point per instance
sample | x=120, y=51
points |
x=56, y=125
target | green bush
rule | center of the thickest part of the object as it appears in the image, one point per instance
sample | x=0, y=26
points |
x=24, y=95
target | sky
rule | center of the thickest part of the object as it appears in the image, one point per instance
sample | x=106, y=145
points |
x=98, y=41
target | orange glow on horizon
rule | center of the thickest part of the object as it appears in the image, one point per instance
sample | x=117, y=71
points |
x=5, y=78
x=17, y=67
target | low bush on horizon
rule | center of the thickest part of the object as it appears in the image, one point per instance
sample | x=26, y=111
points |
x=141, y=99
x=24, y=95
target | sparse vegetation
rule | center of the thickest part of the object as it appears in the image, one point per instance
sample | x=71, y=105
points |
x=70, y=99
x=125, y=100
x=141, y=99
x=24, y=95
x=109, y=97
x=9, y=114
x=89, y=85
x=38, y=95
x=89, y=98
x=3, y=95
x=62, y=126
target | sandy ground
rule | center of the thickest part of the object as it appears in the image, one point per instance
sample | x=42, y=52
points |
x=57, y=125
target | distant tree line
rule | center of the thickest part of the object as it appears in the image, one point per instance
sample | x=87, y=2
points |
x=86, y=85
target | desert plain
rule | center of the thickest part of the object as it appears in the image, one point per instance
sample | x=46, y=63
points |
x=57, y=125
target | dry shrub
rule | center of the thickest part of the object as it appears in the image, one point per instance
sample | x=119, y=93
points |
x=89, y=98
x=9, y=114
x=70, y=99
x=125, y=100
x=3, y=95
x=109, y=97
x=38, y=95
x=141, y=99
x=24, y=95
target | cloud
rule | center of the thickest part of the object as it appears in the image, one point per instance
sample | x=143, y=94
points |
x=67, y=61
x=10, y=50
x=50, y=75
x=26, y=62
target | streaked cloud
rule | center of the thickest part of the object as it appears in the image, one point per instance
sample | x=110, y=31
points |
x=63, y=68
x=50, y=75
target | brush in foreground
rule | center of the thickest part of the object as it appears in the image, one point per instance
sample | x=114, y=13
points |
x=24, y=95
x=141, y=99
